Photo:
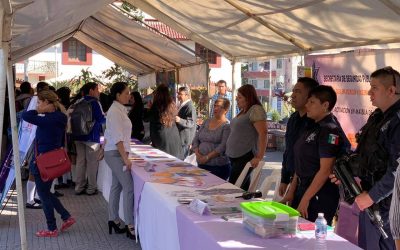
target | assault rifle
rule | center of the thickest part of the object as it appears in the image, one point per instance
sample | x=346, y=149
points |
x=352, y=190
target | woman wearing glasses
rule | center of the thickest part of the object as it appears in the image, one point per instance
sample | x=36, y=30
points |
x=209, y=143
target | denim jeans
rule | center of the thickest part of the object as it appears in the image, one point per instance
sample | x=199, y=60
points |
x=185, y=149
x=49, y=203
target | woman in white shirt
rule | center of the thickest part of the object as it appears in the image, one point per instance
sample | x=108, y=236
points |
x=116, y=151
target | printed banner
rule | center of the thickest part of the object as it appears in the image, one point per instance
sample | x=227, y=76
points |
x=304, y=71
x=26, y=135
x=349, y=74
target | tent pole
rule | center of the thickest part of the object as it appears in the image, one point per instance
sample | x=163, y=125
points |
x=3, y=79
x=233, y=89
x=17, y=165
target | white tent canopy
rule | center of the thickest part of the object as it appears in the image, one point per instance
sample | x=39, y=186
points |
x=112, y=34
x=237, y=29
x=259, y=28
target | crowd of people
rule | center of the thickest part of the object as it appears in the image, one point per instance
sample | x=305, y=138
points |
x=223, y=145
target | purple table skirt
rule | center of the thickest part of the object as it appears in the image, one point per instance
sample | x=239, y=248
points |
x=209, y=232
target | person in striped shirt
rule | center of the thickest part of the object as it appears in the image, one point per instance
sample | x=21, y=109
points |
x=394, y=213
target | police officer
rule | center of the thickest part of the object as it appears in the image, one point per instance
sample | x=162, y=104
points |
x=315, y=152
x=297, y=123
x=378, y=149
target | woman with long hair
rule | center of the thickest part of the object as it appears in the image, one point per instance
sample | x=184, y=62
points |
x=51, y=121
x=136, y=116
x=248, y=138
x=209, y=143
x=163, y=131
x=116, y=151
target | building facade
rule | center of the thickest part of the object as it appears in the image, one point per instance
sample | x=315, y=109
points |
x=60, y=62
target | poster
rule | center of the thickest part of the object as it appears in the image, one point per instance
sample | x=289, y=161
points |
x=26, y=135
x=303, y=71
x=349, y=74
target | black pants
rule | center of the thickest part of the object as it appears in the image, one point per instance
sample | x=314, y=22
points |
x=238, y=165
x=222, y=172
x=326, y=200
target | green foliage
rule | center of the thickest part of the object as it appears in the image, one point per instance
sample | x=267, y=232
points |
x=199, y=97
x=244, y=68
x=117, y=74
x=276, y=117
x=132, y=10
x=76, y=82
x=114, y=74
x=60, y=84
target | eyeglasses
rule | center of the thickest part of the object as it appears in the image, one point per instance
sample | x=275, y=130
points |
x=393, y=72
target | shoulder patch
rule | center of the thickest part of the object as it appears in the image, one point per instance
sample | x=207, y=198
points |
x=385, y=126
x=333, y=139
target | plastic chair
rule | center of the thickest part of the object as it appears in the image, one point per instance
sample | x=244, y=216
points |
x=275, y=177
x=254, y=176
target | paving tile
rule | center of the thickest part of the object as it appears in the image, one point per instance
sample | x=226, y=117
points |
x=90, y=231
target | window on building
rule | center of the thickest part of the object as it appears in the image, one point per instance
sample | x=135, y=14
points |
x=213, y=58
x=76, y=53
x=279, y=63
x=254, y=83
x=254, y=67
x=266, y=84
x=266, y=65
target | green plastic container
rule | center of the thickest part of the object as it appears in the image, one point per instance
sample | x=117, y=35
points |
x=269, y=218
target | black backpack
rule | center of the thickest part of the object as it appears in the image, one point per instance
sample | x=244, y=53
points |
x=82, y=121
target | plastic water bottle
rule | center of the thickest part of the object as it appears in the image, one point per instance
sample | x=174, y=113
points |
x=320, y=227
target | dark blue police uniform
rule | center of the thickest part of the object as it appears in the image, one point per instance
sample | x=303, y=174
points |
x=295, y=127
x=381, y=187
x=325, y=139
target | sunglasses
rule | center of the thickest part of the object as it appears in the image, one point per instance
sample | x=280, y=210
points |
x=393, y=72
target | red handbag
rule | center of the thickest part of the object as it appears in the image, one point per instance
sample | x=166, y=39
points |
x=53, y=164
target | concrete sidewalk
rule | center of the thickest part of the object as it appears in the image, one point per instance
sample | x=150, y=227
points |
x=90, y=231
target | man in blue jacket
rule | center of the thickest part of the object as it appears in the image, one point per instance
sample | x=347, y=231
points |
x=88, y=146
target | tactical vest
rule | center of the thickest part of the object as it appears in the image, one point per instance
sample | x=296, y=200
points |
x=371, y=155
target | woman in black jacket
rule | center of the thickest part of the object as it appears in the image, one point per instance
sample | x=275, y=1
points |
x=136, y=116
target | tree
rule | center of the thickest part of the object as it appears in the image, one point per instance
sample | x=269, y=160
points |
x=275, y=116
x=77, y=82
x=132, y=10
x=244, y=68
x=117, y=74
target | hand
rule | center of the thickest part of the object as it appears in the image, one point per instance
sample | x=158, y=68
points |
x=282, y=189
x=288, y=198
x=364, y=201
x=128, y=163
x=303, y=207
x=202, y=159
x=198, y=155
x=46, y=108
x=177, y=119
x=254, y=162
x=334, y=179
x=100, y=156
